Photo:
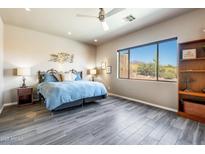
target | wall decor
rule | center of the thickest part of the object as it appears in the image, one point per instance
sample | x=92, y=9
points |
x=103, y=65
x=189, y=54
x=61, y=57
x=109, y=69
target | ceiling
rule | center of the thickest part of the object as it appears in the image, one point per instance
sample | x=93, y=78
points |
x=61, y=21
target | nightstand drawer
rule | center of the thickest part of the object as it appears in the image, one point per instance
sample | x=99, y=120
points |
x=25, y=95
x=24, y=91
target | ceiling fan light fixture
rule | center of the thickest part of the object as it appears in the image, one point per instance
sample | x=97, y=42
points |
x=28, y=9
x=105, y=26
x=102, y=15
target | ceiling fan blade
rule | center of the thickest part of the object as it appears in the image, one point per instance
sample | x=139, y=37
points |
x=114, y=11
x=105, y=26
x=87, y=16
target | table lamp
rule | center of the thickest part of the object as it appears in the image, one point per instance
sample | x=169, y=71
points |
x=23, y=72
x=93, y=72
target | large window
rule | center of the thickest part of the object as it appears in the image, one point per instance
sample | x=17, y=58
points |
x=155, y=61
x=168, y=60
x=143, y=62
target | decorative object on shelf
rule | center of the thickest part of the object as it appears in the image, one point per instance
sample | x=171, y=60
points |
x=103, y=65
x=189, y=54
x=187, y=81
x=23, y=72
x=93, y=72
x=201, y=48
x=109, y=69
x=61, y=57
x=203, y=90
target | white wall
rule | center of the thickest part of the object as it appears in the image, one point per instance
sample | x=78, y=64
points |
x=1, y=62
x=186, y=27
x=28, y=48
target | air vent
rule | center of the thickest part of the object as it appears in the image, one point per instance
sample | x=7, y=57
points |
x=129, y=18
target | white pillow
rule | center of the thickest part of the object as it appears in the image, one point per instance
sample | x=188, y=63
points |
x=69, y=76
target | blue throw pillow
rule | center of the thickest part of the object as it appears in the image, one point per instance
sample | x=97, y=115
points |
x=78, y=77
x=49, y=78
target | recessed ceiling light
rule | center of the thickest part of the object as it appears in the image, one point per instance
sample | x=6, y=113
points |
x=69, y=33
x=129, y=18
x=95, y=40
x=204, y=30
x=27, y=9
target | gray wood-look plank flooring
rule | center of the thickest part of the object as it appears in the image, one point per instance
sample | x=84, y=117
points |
x=109, y=121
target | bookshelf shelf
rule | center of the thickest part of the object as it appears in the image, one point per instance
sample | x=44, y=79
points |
x=197, y=94
x=192, y=71
x=196, y=59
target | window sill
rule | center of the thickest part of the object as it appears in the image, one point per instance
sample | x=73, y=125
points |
x=148, y=80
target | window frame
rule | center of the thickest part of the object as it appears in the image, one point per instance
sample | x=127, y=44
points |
x=157, y=67
x=128, y=76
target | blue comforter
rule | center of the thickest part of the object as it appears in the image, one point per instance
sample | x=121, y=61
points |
x=58, y=93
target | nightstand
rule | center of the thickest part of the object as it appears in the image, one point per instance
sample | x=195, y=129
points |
x=25, y=95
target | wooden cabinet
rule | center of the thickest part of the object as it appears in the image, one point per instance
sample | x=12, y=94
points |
x=25, y=95
x=194, y=109
x=192, y=71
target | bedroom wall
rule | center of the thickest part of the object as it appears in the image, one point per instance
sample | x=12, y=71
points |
x=28, y=48
x=1, y=63
x=186, y=27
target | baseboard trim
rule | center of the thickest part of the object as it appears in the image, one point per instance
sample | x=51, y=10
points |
x=1, y=109
x=7, y=104
x=111, y=94
x=10, y=104
x=143, y=102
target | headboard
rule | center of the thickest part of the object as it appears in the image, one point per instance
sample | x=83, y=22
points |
x=53, y=71
x=76, y=72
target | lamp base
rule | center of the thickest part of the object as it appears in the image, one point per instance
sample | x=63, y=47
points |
x=24, y=83
x=93, y=78
x=23, y=86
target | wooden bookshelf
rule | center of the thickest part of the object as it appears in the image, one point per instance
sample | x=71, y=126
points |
x=192, y=103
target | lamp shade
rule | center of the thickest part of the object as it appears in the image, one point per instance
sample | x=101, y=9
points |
x=23, y=71
x=93, y=71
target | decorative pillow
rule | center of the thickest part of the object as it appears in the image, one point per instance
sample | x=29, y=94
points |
x=49, y=78
x=69, y=76
x=78, y=76
x=62, y=76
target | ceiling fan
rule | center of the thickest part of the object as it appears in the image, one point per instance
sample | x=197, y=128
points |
x=102, y=16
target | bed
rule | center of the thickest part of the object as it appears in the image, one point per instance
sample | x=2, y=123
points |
x=60, y=95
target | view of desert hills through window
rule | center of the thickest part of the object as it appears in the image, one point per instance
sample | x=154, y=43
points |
x=155, y=61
